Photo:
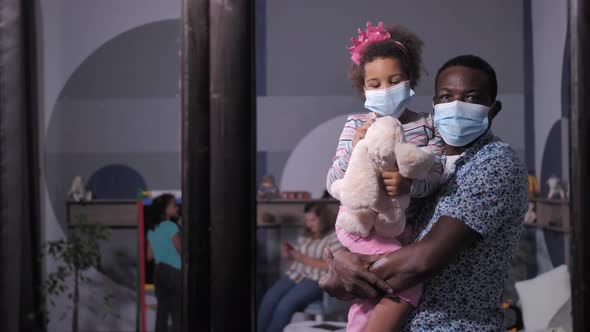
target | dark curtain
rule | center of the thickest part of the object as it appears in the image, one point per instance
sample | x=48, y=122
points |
x=19, y=206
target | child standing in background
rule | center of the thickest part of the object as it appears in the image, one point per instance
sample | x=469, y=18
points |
x=164, y=246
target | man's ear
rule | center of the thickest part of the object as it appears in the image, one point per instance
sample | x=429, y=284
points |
x=495, y=109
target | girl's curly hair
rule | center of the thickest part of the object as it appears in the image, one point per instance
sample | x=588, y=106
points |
x=410, y=56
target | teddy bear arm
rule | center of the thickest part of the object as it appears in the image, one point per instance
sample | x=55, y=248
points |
x=360, y=185
x=412, y=161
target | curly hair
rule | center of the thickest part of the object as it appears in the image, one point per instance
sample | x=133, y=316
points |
x=158, y=210
x=410, y=58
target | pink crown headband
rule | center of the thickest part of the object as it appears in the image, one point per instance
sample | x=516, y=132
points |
x=367, y=37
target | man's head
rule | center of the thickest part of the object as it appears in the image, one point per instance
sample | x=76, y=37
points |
x=465, y=99
x=467, y=78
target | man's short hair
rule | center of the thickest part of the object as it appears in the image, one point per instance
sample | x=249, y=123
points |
x=474, y=62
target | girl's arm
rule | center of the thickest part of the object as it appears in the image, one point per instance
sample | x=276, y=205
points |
x=333, y=244
x=150, y=253
x=426, y=186
x=343, y=152
x=177, y=243
x=313, y=262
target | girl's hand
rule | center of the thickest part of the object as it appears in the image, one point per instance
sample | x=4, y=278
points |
x=285, y=250
x=361, y=132
x=396, y=184
x=295, y=254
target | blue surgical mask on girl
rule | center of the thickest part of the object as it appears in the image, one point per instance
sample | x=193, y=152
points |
x=391, y=101
x=460, y=123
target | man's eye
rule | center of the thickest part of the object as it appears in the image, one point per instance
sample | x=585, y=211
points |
x=444, y=97
x=472, y=99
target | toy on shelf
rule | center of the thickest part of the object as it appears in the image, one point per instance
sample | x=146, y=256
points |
x=533, y=185
x=267, y=188
x=555, y=188
x=78, y=191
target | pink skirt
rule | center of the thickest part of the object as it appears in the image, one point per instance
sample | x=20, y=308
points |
x=373, y=244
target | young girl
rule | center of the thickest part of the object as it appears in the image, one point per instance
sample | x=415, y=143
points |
x=299, y=287
x=163, y=245
x=387, y=65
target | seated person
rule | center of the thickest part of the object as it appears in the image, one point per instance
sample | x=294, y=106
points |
x=299, y=287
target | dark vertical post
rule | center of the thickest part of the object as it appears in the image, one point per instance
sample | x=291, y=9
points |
x=218, y=92
x=19, y=169
x=233, y=151
x=529, y=88
x=195, y=165
x=579, y=20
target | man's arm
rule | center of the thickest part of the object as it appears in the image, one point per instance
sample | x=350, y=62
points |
x=417, y=262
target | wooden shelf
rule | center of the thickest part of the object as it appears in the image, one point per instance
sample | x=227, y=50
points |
x=112, y=213
x=287, y=212
x=552, y=214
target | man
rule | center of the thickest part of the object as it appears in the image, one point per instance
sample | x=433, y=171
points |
x=467, y=231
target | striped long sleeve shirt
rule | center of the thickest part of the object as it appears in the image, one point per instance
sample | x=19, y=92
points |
x=312, y=248
x=421, y=133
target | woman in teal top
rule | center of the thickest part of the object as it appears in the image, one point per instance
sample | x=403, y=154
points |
x=163, y=246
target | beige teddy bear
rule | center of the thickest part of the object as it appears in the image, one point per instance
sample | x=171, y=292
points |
x=361, y=191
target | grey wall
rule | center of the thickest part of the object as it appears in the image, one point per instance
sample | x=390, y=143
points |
x=551, y=100
x=108, y=84
x=120, y=106
x=306, y=70
x=305, y=39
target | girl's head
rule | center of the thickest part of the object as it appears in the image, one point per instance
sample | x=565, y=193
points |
x=318, y=220
x=163, y=208
x=389, y=62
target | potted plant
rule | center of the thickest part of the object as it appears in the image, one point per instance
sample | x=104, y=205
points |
x=74, y=255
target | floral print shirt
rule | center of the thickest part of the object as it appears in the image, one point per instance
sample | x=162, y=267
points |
x=486, y=189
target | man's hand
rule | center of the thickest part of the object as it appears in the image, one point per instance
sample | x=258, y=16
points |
x=361, y=132
x=396, y=184
x=383, y=268
x=331, y=282
x=352, y=273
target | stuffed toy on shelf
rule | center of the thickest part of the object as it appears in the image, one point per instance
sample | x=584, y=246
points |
x=556, y=190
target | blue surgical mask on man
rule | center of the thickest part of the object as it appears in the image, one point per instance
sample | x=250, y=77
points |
x=391, y=101
x=460, y=123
